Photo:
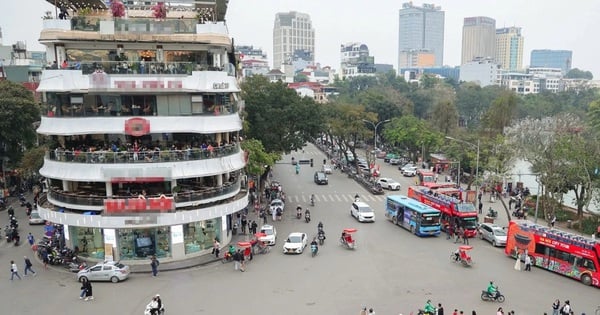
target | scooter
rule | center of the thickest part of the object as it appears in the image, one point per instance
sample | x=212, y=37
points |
x=321, y=237
x=312, y=201
x=148, y=310
x=486, y=296
x=314, y=249
x=307, y=216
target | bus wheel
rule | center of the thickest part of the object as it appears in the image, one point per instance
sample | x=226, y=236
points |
x=586, y=279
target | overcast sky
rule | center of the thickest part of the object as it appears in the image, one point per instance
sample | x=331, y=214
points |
x=546, y=24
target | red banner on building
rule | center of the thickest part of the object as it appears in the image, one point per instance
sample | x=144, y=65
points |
x=138, y=205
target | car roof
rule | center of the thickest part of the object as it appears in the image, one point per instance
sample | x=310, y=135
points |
x=361, y=204
x=266, y=227
x=493, y=226
x=296, y=234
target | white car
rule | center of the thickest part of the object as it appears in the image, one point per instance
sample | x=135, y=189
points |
x=495, y=234
x=388, y=183
x=35, y=219
x=295, y=243
x=395, y=161
x=362, y=212
x=271, y=233
x=405, y=167
x=410, y=172
x=276, y=203
x=112, y=271
x=327, y=169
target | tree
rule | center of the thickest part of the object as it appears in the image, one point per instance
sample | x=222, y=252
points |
x=444, y=116
x=259, y=161
x=500, y=114
x=576, y=73
x=18, y=112
x=32, y=160
x=278, y=117
x=412, y=134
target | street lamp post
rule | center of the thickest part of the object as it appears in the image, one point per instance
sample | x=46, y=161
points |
x=476, y=163
x=375, y=126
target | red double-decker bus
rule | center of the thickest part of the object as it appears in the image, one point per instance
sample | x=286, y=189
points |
x=454, y=211
x=568, y=254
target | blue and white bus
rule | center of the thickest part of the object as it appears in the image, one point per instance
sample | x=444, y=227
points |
x=413, y=215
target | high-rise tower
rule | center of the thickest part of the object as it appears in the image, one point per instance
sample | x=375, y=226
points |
x=421, y=29
x=479, y=38
x=293, y=34
x=509, y=48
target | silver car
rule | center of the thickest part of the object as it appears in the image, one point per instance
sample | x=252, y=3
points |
x=113, y=271
x=493, y=233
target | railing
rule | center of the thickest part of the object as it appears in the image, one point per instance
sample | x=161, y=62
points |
x=89, y=111
x=140, y=26
x=139, y=67
x=186, y=195
x=109, y=157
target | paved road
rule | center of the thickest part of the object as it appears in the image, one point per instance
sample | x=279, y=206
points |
x=391, y=270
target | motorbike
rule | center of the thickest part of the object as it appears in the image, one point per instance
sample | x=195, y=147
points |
x=307, y=216
x=148, y=310
x=314, y=249
x=486, y=296
x=347, y=240
x=298, y=213
x=321, y=237
x=22, y=200
x=312, y=201
x=461, y=255
x=492, y=213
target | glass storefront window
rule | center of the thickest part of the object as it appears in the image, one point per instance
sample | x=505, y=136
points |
x=143, y=243
x=200, y=235
x=89, y=241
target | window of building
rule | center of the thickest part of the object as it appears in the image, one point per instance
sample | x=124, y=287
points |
x=200, y=235
x=88, y=241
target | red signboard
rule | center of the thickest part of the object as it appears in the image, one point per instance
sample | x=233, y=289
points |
x=138, y=205
x=137, y=127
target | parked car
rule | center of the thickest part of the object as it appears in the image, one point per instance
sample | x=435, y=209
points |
x=380, y=154
x=35, y=219
x=271, y=234
x=390, y=156
x=405, y=166
x=321, y=178
x=388, y=183
x=410, y=172
x=395, y=161
x=362, y=212
x=276, y=203
x=493, y=233
x=113, y=271
x=295, y=243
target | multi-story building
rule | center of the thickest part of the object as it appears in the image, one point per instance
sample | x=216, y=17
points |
x=416, y=58
x=292, y=32
x=483, y=71
x=478, y=38
x=509, y=48
x=548, y=58
x=444, y=72
x=355, y=61
x=143, y=120
x=253, y=61
x=421, y=28
x=520, y=83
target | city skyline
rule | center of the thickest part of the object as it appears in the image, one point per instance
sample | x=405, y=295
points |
x=337, y=22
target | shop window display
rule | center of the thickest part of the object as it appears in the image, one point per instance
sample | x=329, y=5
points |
x=142, y=243
x=89, y=241
x=200, y=235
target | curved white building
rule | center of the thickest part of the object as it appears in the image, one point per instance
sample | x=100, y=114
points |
x=143, y=119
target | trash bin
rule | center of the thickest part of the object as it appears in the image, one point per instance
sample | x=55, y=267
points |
x=569, y=224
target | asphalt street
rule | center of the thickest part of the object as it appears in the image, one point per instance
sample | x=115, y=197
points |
x=390, y=270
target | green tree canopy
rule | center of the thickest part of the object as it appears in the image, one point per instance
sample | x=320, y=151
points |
x=18, y=112
x=576, y=73
x=278, y=117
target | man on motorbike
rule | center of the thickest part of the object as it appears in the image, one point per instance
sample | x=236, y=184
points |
x=314, y=247
x=307, y=215
x=299, y=212
x=429, y=309
x=153, y=306
x=312, y=199
x=492, y=290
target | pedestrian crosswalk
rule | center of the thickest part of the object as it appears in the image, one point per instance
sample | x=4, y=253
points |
x=327, y=198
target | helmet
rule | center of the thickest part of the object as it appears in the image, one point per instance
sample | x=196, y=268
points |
x=157, y=295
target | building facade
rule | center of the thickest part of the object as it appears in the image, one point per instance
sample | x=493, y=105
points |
x=293, y=35
x=478, y=38
x=421, y=28
x=548, y=58
x=254, y=61
x=483, y=72
x=416, y=58
x=355, y=61
x=509, y=48
x=143, y=117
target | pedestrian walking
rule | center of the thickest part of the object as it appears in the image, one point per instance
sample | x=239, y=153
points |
x=440, y=309
x=14, y=271
x=28, y=266
x=465, y=237
x=244, y=223
x=254, y=226
x=459, y=234
x=555, y=307
x=30, y=239
x=216, y=248
x=237, y=257
x=82, y=293
x=480, y=207
x=154, y=264
x=45, y=258
x=88, y=291
x=527, y=263
x=450, y=231
x=553, y=221
x=566, y=308
x=263, y=215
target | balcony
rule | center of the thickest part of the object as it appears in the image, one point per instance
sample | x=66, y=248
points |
x=189, y=194
x=109, y=157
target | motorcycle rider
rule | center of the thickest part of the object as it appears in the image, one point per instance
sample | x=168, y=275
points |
x=320, y=226
x=492, y=290
x=307, y=215
x=153, y=306
x=314, y=247
x=312, y=199
x=299, y=212
x=429, y=309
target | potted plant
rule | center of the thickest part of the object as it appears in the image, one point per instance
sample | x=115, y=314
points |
x=159, y=11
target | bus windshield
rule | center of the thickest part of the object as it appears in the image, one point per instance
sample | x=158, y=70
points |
x=469, y=223
x=465, y=207
x=430, y=219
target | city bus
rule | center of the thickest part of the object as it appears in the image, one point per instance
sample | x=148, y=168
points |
x=567, y=254
x=454, y=211
x=412, y=215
